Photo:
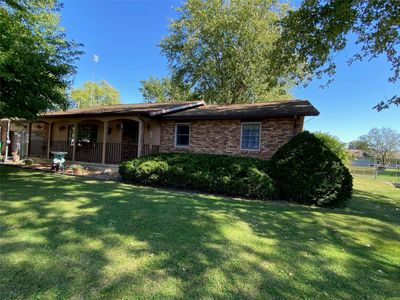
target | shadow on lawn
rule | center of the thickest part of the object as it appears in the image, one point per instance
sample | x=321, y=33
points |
x=62, y=239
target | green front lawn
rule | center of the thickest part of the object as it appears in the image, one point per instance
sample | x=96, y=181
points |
x=66, y=237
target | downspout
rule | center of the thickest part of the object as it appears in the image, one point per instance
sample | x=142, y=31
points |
x=7, y=139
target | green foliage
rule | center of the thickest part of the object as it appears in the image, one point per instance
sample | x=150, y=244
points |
x=164, y=90
x=319, y=28
x=29, y=162
x=76, y=168
x=359, y=144
x=383, y=143
x=95, y=94
x=307, y=171
x=223, y=50
x=36, y=59
x=228, y=175
x=335, y=145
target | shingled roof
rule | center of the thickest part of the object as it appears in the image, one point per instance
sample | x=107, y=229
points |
x=246, y=111
x=195, y=110
x=145, y=109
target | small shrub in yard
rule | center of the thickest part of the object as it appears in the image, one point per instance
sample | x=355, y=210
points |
x=28, y=162
x=307, y=171
x=77, y=169
x=220, y=174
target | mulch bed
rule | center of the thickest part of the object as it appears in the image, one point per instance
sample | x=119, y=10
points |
x=106, y=174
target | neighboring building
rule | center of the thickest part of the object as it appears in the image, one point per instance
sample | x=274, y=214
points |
x=357, y=154
x=111, y=134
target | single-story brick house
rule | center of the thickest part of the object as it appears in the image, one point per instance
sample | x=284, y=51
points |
x=111, y=134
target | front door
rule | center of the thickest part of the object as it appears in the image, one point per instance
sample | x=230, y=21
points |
x=130, y=133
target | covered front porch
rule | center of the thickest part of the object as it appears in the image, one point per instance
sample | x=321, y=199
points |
x=104, y=140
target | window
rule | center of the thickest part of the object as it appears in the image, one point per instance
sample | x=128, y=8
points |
x=87, y=133
x=182, y=135
x=250, y=136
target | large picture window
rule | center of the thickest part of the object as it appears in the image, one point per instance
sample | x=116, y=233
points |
x=250, y=136
x=182, y=132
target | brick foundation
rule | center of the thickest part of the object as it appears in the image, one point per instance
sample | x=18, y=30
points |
x=223, y=136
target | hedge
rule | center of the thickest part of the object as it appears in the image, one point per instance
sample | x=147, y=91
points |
x=219, y=174
x=306, y=170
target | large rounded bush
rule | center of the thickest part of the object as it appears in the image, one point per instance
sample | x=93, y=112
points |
x=307, y=171
x=220, y=174
x=337, y=147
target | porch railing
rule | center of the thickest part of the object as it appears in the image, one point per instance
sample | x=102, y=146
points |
x=89, y=152
x=92, y=152
x=117, y=152
x=38, y=148
x=150, y=149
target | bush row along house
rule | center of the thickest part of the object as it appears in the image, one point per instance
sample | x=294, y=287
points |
x=112, y=134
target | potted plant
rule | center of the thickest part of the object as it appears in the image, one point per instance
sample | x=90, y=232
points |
x=15, y=156
x=77, y=169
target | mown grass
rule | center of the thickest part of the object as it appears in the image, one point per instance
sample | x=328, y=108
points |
x=66, y=237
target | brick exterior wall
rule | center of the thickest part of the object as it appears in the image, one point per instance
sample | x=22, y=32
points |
x=223, y=136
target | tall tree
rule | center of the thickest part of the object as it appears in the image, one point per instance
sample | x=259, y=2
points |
x=222, y=50
x=164, y=90
x=36, y=58
x=320, y=28
x=95, y=94
x=382, y=143
x=359, y=144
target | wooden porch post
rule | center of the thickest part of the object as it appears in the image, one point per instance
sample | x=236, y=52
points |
x=140, y=138
x=105, y=132
x=49, y=139
x=75, y=140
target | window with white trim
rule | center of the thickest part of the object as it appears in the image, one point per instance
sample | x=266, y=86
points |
x=250, y=139
x=182, y=133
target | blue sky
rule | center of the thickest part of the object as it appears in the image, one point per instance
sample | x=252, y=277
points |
x=125, y=35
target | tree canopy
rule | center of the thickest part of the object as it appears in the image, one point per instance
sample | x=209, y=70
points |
x=164, y=90
x=223, y=51
x=319, y=28
x=359, y=144
x=36, y=58
x=95, y=94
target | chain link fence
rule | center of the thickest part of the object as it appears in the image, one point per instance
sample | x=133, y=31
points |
x=376, y=172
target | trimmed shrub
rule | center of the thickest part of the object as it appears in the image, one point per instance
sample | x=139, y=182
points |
x=219, y=174
x=307, y=171
x=29, y=162
x=337, y=147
